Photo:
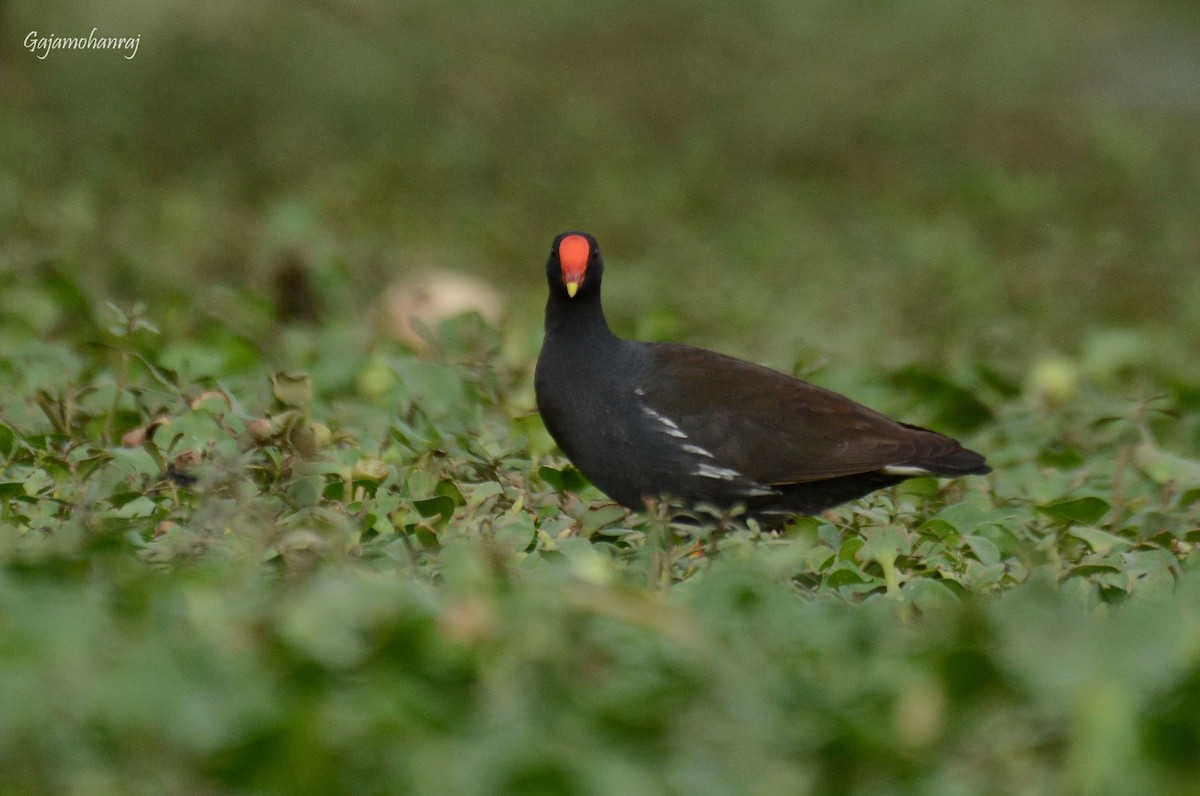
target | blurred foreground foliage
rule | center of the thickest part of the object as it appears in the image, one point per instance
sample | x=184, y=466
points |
x=376, y=575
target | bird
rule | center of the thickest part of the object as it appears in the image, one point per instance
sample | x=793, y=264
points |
x=650, y=421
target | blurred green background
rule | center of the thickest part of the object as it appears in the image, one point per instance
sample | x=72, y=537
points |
x=887, y=182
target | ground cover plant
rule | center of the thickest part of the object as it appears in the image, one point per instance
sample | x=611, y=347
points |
x=252, y=543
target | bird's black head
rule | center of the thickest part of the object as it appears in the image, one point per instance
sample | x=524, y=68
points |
x=574, y=266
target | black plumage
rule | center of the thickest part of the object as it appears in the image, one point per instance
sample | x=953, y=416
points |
x=652, y=420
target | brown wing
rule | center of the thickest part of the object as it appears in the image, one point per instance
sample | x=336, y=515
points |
x=780, y=430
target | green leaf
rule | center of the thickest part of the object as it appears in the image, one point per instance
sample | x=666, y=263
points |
x=845, y=577
x=141, y=506
x=120, y=499
x=1094, y=569
x=438, y=506
x=477, y=493
x=937, y=529
x=1100, y=541
x=11, y=489
x=928, y=594
x=596, y=518
x=1084, y=510
x=848, y=551
x=807, y=528
x=8, y=440
x=963, y=516
x=568, y=479
x=420, y=483
x=919, y=486
x=38, y=482
x=984, y=549
x=886, y=544
x=1189, y=497
x=516, y=532
x=1166, y=467
x=448, y=488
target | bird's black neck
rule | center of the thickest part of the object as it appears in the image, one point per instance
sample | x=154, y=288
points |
x=580, y=319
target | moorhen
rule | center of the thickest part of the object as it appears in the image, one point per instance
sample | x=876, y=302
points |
x=644, y=421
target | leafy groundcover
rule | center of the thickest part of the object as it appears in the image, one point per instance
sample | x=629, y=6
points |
x=375, y=574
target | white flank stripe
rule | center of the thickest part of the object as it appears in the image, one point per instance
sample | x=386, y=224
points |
x=722, y=473
x=904, y=469
x=759, y=491
x=670, y=426
x=696, y=449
